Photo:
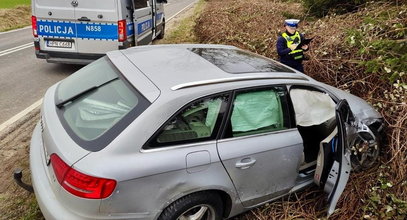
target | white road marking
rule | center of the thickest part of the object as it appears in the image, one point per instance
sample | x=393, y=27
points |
x=6, y=32
x=15, y=49
x=20, y=115
x=38, y=103
x=180, y=11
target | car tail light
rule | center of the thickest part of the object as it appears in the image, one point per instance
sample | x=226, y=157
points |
x=34, y=25
x=80, y=184
x=122, y=30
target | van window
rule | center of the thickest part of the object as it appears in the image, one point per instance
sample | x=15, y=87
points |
x=140, y=4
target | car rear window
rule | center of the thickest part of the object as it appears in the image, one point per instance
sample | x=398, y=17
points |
x=238, y=61
x=96, y=103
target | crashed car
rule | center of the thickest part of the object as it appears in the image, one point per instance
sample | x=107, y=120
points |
x=193, y=132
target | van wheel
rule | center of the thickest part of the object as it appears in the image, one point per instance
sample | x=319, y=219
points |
x=161, y=35
x=201, y=205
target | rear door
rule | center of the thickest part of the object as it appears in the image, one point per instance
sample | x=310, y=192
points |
x=260, y=151
x=143, y=21
x=97, y=26
x=333, y=163
x=56, y=25
x=153, y=4
x=159, y=15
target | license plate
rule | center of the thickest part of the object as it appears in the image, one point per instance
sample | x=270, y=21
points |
x=60, y=44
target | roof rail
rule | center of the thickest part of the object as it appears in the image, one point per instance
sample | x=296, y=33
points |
x=231, y=79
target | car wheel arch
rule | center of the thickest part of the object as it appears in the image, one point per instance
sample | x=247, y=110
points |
x=226, y=200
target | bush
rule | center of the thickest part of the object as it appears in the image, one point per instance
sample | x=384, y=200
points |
x=321, y=8
x=364, y=53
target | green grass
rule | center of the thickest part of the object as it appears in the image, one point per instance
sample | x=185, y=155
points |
x=13, y=3
x=184, y=32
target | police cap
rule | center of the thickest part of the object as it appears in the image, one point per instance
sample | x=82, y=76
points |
x=291, y=22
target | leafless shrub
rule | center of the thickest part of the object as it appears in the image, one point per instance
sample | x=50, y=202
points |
x=255, y=25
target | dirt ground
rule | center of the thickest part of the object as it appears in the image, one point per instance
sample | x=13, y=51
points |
x=15, y=18
x=15, y=202
x=14, y=149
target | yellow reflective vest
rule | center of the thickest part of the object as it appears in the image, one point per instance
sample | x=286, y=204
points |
x=297, y=54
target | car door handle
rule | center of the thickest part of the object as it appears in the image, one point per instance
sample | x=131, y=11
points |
x=245, y=163
x=83, y=19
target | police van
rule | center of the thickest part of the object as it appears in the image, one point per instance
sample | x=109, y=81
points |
x=80, y=31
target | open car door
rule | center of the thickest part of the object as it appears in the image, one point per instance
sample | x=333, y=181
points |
x=333, y=162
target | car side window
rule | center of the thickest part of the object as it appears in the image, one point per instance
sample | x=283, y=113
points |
x=196, y=122
x=258, y=111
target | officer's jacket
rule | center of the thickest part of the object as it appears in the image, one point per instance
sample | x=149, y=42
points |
x=283, y=50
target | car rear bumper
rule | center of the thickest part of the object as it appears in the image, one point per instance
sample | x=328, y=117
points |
x=67, y=58
x=47, y=199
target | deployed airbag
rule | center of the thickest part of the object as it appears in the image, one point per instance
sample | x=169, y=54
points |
x=256, y=110
x=312, y=107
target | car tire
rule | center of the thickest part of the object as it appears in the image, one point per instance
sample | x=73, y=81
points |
x=206, y=205
x=370, y=145
x=161, y=35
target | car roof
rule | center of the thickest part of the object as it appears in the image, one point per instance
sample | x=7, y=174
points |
x=181, y=66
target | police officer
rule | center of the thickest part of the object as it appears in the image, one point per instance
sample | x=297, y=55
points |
x=289, y=47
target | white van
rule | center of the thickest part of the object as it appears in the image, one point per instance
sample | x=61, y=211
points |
x=80, y=31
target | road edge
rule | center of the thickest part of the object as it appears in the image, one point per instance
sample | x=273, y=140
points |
x=19, y=119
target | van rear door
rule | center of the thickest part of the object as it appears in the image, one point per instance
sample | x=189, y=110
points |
x=97, y=26
x=55, y=25
x=143, y=22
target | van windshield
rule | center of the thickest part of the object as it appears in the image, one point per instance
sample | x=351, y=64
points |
x=97, y=103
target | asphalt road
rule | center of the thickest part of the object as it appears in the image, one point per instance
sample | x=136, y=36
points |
x=24, y=78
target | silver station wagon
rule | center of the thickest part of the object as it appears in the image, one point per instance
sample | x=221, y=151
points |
x=193, y=132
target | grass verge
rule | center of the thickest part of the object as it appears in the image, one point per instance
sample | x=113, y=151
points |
x=13, y=3
x=13, y=18
x=183, y=31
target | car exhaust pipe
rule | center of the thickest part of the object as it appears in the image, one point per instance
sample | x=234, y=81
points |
x=18, y=174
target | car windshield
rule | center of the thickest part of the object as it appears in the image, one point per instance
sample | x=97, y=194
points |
x=94, y=100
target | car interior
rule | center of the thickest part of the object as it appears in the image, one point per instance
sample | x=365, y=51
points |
x=315, y=120
x=195, y=122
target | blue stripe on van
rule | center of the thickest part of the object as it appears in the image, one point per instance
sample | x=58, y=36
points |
x=56, y=29
x=130, y=29
x=64, y=29
x=100, y=31
x=97, y=31
x=144, y=26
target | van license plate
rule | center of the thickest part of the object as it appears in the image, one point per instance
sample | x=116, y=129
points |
x=60, y=44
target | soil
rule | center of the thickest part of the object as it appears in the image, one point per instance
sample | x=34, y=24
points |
x=14, y=149
x=15, y=17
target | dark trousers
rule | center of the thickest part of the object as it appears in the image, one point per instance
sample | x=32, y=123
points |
x=294, y=64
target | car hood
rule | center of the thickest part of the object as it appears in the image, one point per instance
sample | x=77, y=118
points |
x=360, y=108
